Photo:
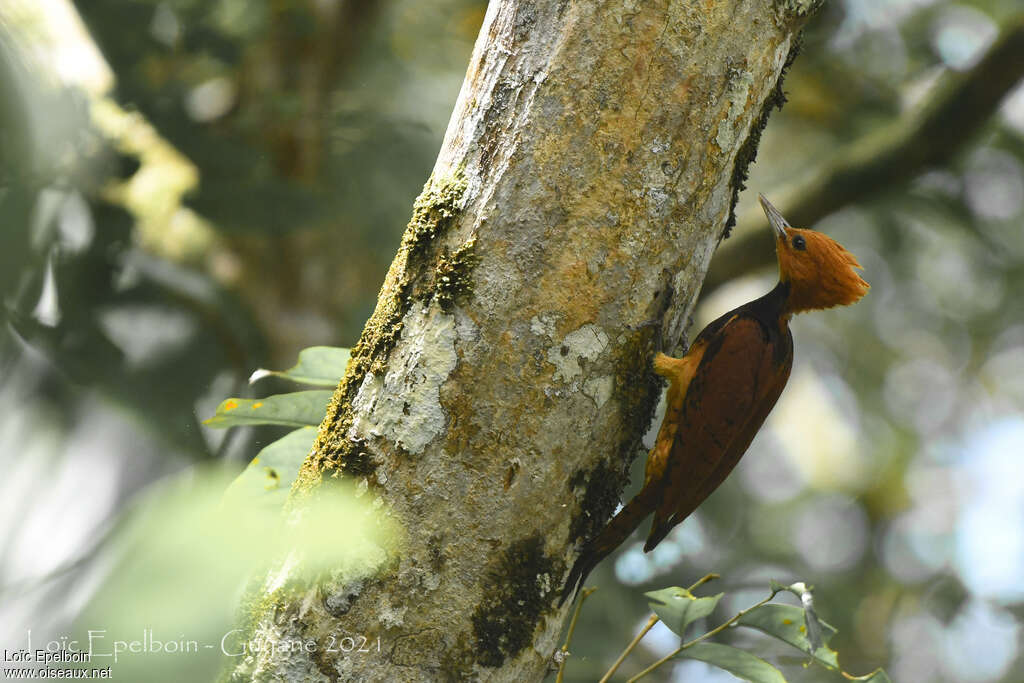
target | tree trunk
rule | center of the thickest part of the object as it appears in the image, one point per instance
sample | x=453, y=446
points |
x=500, y=389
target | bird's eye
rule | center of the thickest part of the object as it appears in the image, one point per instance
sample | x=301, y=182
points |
x=799, y=243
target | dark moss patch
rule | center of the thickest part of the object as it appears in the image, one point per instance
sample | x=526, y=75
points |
x=517, y=587
x=601, y=486
x=748, y=150
x=358, y=463
x=451, y=276
x=433, y=212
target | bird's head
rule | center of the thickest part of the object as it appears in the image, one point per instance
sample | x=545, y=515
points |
x=820, y=273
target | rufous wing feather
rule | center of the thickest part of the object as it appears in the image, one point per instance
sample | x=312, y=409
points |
x=741, y=375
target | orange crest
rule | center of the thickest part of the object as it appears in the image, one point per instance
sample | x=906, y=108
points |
x=820, y=272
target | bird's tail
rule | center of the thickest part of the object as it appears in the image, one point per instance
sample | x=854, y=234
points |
x=610, y=538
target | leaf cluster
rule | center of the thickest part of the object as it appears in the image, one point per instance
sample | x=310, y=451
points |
x=799, y=627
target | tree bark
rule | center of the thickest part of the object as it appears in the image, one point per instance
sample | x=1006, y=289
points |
x=501, y=388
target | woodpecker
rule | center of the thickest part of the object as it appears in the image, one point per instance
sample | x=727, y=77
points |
x=722, y=390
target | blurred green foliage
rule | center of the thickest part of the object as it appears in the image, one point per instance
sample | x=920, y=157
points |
x=179, y=560
x=307, y=120
x=76, y=289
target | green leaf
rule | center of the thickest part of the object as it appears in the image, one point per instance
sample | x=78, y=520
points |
x=739, y=663
x=787, y=623
x=815, y=631
x=269, y=477
x=321, y=366
x=297, y=409
x=678, y=608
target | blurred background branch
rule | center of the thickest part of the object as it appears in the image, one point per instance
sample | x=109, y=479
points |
x=886, y=160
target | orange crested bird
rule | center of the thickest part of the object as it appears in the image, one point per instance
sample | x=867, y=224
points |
x=722, y=390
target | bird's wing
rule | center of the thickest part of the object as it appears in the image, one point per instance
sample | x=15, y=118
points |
x=740, y=376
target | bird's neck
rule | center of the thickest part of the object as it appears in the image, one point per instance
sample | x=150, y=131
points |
x=775, y=304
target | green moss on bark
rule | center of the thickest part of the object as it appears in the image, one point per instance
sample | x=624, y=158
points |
x=433, y=212
x=452, y=275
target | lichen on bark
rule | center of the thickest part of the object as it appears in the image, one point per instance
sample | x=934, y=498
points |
x=433, y=212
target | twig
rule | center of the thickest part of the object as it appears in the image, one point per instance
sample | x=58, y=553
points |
x=702, y=580
x=629, y=648
x=568, y=636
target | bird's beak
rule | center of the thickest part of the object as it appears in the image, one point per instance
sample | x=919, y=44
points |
x=779, y=224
